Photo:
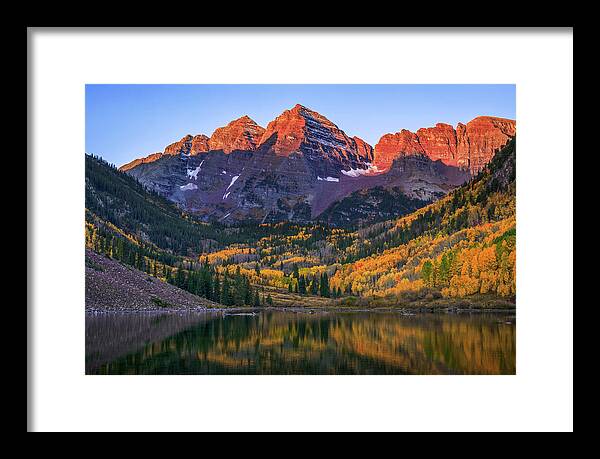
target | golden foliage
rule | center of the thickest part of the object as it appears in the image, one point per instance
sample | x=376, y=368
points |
x=481, y=259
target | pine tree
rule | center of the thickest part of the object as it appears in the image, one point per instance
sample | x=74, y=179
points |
x=302, y=285
x=256, y=300
x=180, y=278
x=248, y=298
x=324, y=290
x=226, y=297
x=444, y=270
x=314, y=285
x=216, y=290
x=426, y=273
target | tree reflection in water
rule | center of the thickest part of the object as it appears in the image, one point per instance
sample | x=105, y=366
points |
x=276, y=342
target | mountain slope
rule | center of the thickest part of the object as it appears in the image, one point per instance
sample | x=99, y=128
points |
x=240, y=134
x=461, y=245
x=110, y=285
x=116, y=198
x=488, y=197
x=369, y=206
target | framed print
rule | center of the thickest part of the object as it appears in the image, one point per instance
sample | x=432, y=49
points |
x=300, y=229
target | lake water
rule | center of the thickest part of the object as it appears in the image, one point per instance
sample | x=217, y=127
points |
x=282, y=342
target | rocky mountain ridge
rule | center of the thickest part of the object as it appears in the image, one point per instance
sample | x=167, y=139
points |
x=470, y=146
x=302, y=163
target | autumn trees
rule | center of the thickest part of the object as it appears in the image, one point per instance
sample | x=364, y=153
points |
x=484, y=268
x=316, y=284
x=479, y=260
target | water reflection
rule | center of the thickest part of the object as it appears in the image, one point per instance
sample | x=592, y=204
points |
x=277, y=342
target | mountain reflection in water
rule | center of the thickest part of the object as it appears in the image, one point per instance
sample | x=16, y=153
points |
x=278, y=342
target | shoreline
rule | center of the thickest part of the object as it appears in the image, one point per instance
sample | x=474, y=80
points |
x=306, y=310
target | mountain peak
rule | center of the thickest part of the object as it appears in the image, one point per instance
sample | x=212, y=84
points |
x=240, y=134
x=243, y=120
x=298, y=108
x=189, y=146
x=488, y=118
x=301, y=128
x=307, y=113
x=505, y=125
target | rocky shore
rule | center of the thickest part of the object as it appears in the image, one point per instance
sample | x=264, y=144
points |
x=112, y=286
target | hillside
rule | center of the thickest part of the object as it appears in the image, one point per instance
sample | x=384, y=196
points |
x=120, y=200
x=462, y=245
x=127, y=223
x=489, y=197
x=369, y=206
x=110, y=285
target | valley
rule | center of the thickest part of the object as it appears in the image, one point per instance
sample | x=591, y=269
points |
x=456, y=252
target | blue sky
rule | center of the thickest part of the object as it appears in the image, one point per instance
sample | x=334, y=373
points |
x=124, y=122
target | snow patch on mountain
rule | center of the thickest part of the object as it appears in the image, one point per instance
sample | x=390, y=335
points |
x=234, y=178
x=194, y=173
x=189, y=186
x=329, y=179
x=358, y=172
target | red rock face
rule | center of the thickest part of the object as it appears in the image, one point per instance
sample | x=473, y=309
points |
x=297, y=130
x=137, y=162
x=462, y=146
x=188, y=146
x=364, y=149
x=287, y=132
x=199, y=145
x=303, y=130
x=391, y=146
x=439, y=142
x=240, y=134
x=485, y=135
x=469, y=147
x=181, y=147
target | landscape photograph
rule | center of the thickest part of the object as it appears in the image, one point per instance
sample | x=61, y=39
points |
x=283, y=229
